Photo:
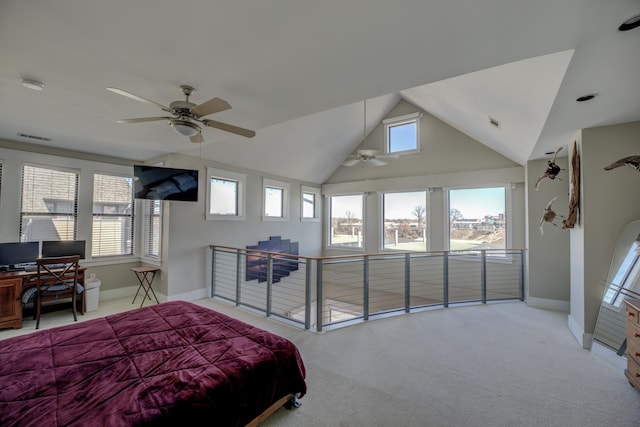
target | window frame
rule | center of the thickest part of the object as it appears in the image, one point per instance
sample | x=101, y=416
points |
x=329, y=222
x=400, y=121
x=148, y=228
x=507, y=206
x=241, y=180
x=317, y=206
x=280, y=185
x=134, y=235
x=427, y=219
x=74, y=213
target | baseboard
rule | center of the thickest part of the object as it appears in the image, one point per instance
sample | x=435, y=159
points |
x=584, y=339
x=127, y=291
x=189, y=296
x=548, y=304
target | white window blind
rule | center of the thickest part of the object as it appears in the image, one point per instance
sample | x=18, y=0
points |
x=49, y=205
x=113, y=204
x=153, y=230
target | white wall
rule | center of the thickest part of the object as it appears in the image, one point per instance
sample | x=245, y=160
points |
x=189, y=233
x=448, y=158
x=113, y=273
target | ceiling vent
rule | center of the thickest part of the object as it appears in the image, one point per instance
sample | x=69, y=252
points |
x=39, y=138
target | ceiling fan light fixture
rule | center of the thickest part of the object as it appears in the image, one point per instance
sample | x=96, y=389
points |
x=184, y=127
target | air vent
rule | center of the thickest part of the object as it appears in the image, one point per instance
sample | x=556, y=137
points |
x=39, y=138
x=494, y=122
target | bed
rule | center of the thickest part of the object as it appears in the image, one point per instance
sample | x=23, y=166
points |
x=175, y=363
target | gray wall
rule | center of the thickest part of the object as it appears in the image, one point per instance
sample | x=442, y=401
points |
x=548, y=252
x=609, y=202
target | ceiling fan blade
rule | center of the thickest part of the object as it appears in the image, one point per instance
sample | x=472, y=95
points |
x=213, y=105
x=387, y=156
x=229, y=128
x=350, y=162
x=197, y=137
x=143, y=119
x=138, y=98
x=376, y=162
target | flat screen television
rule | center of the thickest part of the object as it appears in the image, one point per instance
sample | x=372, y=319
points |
x=55, y=248
x=160, y=183
x=15, y=253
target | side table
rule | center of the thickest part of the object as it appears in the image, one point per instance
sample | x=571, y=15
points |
x=142, y=273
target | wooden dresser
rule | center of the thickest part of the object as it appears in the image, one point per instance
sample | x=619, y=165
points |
x=633, y=342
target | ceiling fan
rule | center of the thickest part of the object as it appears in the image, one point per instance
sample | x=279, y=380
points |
x=187, y=115
x=372, y=157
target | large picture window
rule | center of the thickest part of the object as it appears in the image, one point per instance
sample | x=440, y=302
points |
x=49, y=205
x=346, y=221
x=113, y=207
x=478, y=218
x=404, y=221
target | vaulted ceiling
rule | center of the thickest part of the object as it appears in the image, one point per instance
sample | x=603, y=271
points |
x=297, y=72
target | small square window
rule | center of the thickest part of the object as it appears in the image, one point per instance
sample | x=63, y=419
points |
x=402, y=134
x=225, y=195
x=275, y=206
x=310, y=199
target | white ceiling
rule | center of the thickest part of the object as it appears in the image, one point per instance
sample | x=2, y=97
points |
x=297, y=72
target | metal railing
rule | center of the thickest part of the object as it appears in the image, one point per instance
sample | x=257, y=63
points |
x=315, y=293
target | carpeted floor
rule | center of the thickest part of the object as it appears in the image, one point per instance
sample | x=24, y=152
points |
x=480, y=365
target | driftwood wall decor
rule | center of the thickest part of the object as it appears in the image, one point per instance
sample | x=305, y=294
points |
x=574, y=191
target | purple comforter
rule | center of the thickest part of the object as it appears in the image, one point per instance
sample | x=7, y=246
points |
x=175, y=363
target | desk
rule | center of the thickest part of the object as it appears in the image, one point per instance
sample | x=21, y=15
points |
x=142, y=273
x=11, y=285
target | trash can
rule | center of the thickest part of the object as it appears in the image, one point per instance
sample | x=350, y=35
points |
x=92, y=288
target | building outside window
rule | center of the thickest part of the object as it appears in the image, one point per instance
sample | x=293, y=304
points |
x=49, y=204
x=478, y=218
x=113, y=207
x=404, y=221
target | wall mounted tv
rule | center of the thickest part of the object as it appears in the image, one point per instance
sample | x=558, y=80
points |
x=160, y=183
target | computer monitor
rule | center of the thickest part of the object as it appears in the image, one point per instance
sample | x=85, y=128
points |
x=14, y=253
x=53, y=248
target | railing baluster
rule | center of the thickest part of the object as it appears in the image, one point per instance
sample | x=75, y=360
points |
x=365, y=288
x=445, y=280
x=319, y=296
x=269, y=282
x=238, y=257
x=213, y=271
x=483, y=275
x=307, y=296
x=407, y=283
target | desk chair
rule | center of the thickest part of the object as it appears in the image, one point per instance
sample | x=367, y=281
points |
x=57, y=280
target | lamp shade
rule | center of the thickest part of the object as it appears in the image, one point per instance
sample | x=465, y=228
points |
x=185, y=128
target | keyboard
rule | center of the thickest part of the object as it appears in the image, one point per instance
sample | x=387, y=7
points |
x=33, y=267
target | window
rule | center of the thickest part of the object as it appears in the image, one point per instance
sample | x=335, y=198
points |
x=310, y=209
x=478, y=218
x=404, y=221
x=275, y=200
x=49, y=205
x=113, y=204
x=225, y=195
x=152, y=227
x=626, y=277
x=402, y=134
x=347, y=221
